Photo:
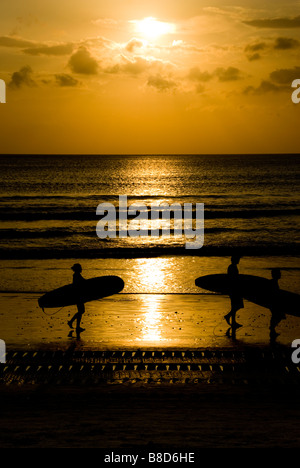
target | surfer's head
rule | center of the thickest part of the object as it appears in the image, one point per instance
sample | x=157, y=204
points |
x=276, y=273
x=76, y=267
x=235, y=259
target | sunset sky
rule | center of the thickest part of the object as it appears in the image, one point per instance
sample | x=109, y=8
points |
x=159, y=76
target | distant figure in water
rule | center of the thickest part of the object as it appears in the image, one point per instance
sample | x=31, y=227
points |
x=77, y=282
x=234, y=294
x=276, y=313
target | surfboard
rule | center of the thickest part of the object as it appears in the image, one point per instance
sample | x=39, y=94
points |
x=91, y=290
x=254, y=289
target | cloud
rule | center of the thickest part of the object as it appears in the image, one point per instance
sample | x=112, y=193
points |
x=252, y=57
x=161, y=83
x=133, y=44
x=257, y=46
x=82, y=62
x=275, y=23
x=36, y=48
x=60, y=49
x=285, y=76
x=285, y=43
x=183, y=46
x=266, y=86
x=252, y=50
x=64, y=79
x=222, y=74
x=8, y=41
x=136, y=65
x=22, y=77
x=228, y=74
x=279, y=81
x=197, y=75
x=106, y=22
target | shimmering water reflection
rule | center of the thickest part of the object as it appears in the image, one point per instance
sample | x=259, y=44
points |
x=151, y=320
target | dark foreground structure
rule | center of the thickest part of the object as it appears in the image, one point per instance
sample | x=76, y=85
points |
x=150, y=400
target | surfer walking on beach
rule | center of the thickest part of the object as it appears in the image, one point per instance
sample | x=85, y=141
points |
x=234, y=294
x=77, y=282
x=276, y=313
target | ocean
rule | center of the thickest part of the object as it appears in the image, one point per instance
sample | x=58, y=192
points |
x=48, y=203
x=48, y=209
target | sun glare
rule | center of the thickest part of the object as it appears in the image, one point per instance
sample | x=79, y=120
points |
x=151, y=28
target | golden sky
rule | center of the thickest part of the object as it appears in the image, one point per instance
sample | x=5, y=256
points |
x=136, y=76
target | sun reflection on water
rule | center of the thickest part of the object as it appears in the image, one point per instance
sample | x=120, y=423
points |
x=154, y=276
x=151, y=323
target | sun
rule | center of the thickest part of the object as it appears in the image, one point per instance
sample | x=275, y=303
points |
x=151, y=28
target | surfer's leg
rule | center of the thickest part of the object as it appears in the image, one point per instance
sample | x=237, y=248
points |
x=236, y=304
x=276, y=318
x=81, y=310
x=273, y=323
x=70, y=322
x=234, y=323
x=230, y=314
x=79, y=317
x=227, y=317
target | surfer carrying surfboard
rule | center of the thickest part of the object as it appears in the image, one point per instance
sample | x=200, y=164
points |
x=77, y=282
x=234, y=294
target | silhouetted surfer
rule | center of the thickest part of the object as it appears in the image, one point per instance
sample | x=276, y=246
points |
x=277, y=313
x=77, y=282
x=234, y=294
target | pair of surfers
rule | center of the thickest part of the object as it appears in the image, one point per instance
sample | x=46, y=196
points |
x=236, y=298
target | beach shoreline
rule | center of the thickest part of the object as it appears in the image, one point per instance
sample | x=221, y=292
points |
x=133, y=321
